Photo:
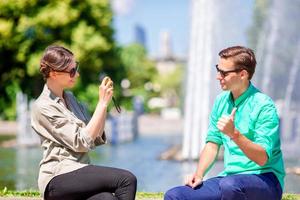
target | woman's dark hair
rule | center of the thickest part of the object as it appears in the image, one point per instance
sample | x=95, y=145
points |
x=55, y=57
x=242, y=57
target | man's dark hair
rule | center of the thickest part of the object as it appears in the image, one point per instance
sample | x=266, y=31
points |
x=242, y=57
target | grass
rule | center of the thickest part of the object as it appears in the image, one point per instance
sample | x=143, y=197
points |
x=4, y=138
x=33, y=193
x=139, y=196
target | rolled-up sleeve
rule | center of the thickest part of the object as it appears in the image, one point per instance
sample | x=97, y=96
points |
x=56, y=126
x=100, y=139
x=267, y=128
x=213, y=133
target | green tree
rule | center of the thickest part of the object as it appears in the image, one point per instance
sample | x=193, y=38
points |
x=171, y=85
x=140, y=71
x=27, y=27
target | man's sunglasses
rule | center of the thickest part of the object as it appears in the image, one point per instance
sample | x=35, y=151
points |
x=72, y=72
x=225, y=73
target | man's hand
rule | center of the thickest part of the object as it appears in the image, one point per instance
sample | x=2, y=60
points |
x=226, y=124
x=193, y=180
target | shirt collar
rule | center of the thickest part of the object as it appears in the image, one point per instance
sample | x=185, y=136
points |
x=48, y=93
x=250, y=90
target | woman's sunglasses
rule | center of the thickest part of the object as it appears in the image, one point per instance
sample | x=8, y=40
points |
x=72, y=72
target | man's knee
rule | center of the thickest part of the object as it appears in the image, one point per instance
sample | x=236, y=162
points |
x=173, y=194
x=230, y=187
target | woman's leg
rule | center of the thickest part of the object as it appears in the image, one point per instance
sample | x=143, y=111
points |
x=209, y=189
x=103, y=196
x=251, y=186
x=92, y=180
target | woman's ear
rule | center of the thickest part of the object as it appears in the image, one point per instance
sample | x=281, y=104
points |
x=52, y=74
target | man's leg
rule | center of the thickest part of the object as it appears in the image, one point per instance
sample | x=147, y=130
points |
x=208, y=190
x=251, y=186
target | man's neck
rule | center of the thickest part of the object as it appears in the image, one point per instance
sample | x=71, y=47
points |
x=239, y=91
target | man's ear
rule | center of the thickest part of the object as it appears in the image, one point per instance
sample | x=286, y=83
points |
x=244, y=74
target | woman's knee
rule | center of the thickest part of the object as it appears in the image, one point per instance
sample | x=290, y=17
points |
x=129, y=177
x=132, y=178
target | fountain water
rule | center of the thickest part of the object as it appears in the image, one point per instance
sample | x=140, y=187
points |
x=278, y=66
x=207, y=38
x=198, y=81
x=25, y=134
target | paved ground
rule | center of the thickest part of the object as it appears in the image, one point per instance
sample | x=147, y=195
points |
x=154, y=124
x=148, y=124
x=8, y=127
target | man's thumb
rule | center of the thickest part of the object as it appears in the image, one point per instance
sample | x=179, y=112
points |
x=233, y=113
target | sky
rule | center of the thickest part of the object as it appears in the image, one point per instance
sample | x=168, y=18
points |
x=154, y=16
x=174, y=16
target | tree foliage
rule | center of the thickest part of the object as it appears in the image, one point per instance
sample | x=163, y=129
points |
x=27, y=27
x=140, y=71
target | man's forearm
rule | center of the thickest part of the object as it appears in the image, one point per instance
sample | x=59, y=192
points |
x=207, y=157
x=253, y=151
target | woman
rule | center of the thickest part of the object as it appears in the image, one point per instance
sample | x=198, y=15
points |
x=67, y=134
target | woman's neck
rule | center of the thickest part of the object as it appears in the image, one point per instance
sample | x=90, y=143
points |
x=55, y=88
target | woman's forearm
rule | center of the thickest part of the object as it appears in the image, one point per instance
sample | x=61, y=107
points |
x=95, y=127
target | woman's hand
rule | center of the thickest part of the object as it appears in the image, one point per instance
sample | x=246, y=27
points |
x=193, y=180
x=106, y=91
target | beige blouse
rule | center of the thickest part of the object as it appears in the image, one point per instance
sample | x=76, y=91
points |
x=64, y=138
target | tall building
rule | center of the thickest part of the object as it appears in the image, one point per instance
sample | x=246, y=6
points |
x=140, y=35
x=167, y=62
x=165, y=46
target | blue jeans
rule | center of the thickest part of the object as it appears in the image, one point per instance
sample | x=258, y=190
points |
x=233, y=187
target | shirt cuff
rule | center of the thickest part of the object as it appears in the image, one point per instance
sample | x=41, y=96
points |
x=89, y=140
x=100, y=139
x=214, y=139
x=267, y=148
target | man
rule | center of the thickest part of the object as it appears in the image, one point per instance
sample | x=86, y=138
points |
x=246, y=123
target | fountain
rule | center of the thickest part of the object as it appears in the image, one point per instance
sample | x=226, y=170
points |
x=25, y=134
x=278, y=67
x=277, y=73
x=207, y=38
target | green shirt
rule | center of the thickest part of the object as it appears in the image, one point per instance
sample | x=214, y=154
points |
x=256, y=118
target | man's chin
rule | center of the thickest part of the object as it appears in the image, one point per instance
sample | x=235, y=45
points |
x=223, y=87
